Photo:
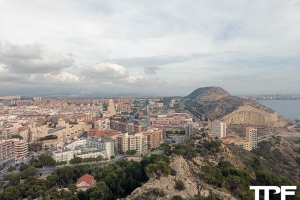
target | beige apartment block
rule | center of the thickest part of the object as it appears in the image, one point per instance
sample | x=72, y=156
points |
x=7, y=152
x=251, y=136
x=21, y=150
x=154, y=138
x=132, y=142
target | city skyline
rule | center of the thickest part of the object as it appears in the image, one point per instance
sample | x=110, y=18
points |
x=170, y=47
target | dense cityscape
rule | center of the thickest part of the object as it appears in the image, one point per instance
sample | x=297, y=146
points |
x=149, y=100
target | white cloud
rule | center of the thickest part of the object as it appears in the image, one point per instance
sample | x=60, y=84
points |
x=135, y=79
x=105, y=71
x=32, y=59
x=233, y=39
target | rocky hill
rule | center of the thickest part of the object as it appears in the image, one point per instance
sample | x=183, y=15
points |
x=209, y=169
x=208, y=94
x=216, y=103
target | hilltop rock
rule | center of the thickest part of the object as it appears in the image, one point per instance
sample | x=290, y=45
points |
x=208, y=94
x=184, y=169
x=216, y=103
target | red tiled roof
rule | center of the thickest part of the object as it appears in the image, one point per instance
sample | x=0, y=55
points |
x=86, y=178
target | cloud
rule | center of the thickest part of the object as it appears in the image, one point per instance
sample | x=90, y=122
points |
x=136, y=79
x=150, y=70
x=31, y=59
x=105, y=71
x=20, y=52
x=185, y=44
x=158, y=60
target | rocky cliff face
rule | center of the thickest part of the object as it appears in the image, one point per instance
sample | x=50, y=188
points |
x=218, y=104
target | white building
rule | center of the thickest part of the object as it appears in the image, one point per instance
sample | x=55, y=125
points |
x=63, y=155
x=107, y=145
x=76, y=143
x=219, y=129
x=90, y=153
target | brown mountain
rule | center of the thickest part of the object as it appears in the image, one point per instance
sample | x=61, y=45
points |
x=216, y=103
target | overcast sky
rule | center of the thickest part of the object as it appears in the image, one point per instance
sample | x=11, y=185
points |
x=149, y=47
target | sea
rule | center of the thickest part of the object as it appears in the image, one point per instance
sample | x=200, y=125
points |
x=285, y=108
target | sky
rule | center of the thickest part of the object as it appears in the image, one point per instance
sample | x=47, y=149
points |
x=149, y=47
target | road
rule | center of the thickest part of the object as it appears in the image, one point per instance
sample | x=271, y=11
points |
x=133, y=116
x=47, y=171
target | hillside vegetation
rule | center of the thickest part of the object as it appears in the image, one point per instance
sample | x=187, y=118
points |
x=208, y=169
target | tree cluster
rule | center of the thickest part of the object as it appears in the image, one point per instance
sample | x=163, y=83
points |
x=48, y=137
x=237, y=181
x=114, y=181
x=78, y=160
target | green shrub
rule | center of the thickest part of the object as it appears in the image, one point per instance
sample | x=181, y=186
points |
x=179, y=185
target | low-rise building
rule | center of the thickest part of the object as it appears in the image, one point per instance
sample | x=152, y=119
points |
x=90, y=153
x=85, y=182
x=74, y=144
x=63, y=155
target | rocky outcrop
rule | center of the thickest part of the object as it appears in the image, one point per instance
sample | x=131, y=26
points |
x=184, y=173
x=208, y=94
x=252, y=116
x=216, y=103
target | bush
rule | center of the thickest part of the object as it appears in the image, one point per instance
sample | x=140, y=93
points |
x=131, y=152
x=173, y=172
x=11, y=168
x=179, y=185
x=177, y=197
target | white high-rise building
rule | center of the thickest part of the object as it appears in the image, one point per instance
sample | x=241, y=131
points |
x=219, y=129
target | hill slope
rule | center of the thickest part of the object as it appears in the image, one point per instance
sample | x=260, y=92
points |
x=210, y=169
x=216, y=103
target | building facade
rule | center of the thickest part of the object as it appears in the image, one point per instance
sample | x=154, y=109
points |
x=219, y=129
x=107, y=145
x=136, y=142
x=21, y=150
x=251, y=136
x=154, y=138
x=62, y=155
x=7, y=153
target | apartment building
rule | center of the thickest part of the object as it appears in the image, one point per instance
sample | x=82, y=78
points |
x=73, y=145
x=251, y=136
x=102, y=124
x=63, y=155
x=15, y=97
x=90, y=153
x=7, y=153
x=219, y=129
x=125, y=127
x=107, y=145
x=154, y=138
x=21, y=150
x=132, y=142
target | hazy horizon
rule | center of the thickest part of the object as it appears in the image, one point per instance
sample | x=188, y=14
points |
x=145, y=47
